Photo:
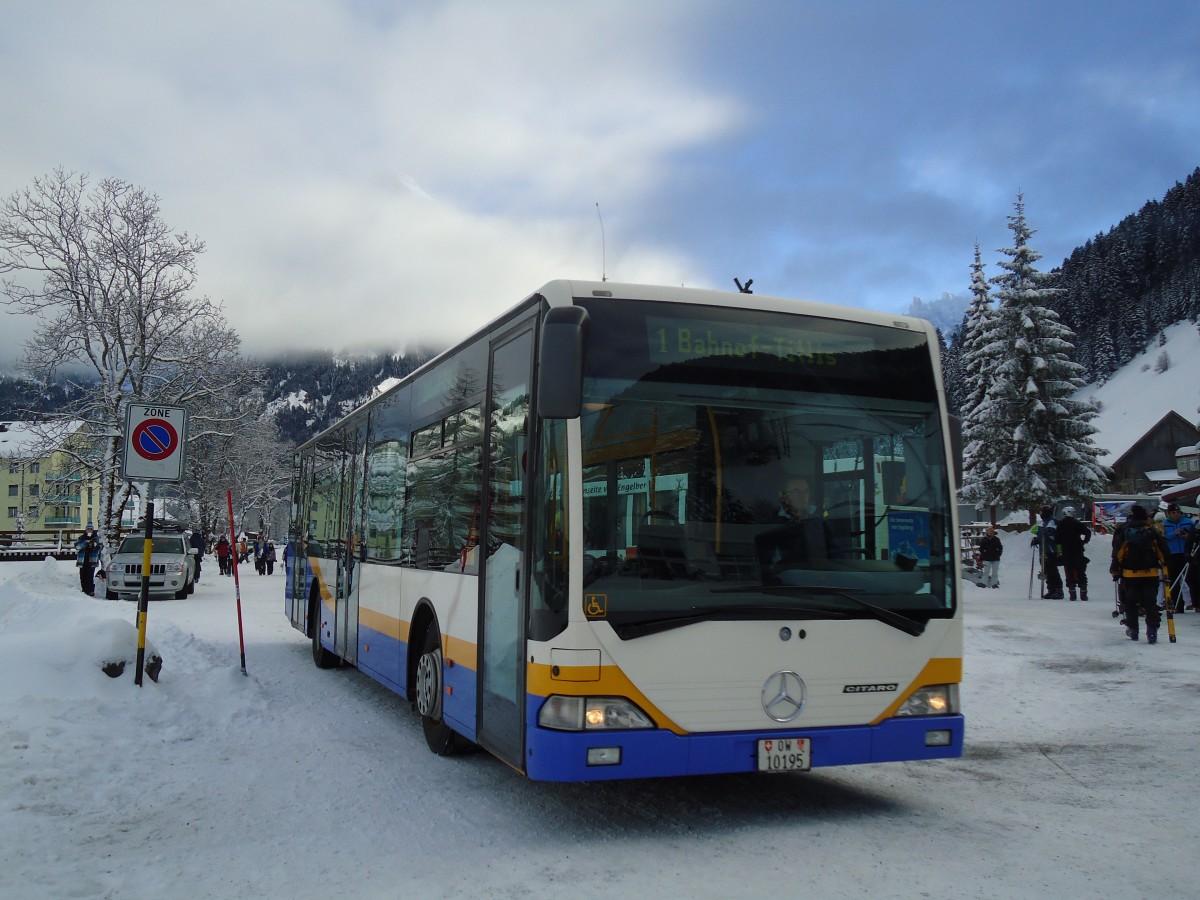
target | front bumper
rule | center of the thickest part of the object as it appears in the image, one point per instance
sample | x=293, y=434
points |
x=562, y=755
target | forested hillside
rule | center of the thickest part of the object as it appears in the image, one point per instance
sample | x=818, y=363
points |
x=20, y=397
x=1117, y=293
x=304, y=394
x=1122, y=288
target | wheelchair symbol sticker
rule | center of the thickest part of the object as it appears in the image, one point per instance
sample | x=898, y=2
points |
x=595, y=605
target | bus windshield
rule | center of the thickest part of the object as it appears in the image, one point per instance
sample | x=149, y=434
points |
x=747, y=464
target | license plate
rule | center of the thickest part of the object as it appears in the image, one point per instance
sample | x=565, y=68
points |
x=784, y=755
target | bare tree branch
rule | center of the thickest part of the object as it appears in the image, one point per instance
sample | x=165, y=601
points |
x=112, y=286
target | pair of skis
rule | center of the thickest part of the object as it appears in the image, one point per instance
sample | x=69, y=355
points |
x=1041, y=553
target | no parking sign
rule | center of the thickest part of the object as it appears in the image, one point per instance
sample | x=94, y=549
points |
x=154, y=440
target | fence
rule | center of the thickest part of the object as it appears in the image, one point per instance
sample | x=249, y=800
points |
x=34, y=545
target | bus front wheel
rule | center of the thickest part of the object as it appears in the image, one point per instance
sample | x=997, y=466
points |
x=441, y=739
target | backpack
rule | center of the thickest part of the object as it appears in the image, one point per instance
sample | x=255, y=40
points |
x=1139, y=550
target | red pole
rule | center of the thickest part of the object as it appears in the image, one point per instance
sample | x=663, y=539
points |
x=237, y=585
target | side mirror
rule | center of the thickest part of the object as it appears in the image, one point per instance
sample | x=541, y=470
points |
x=560, y=369
x=956, y=448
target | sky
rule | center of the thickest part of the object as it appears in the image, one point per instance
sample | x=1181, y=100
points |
x=369, y=174
x=1078, y=778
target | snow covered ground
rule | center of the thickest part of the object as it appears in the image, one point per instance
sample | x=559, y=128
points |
x=1079, y=779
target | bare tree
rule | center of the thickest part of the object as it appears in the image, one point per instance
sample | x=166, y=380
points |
x=112, y=287
x=250, y=462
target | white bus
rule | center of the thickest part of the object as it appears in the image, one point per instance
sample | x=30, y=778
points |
x=574, y=539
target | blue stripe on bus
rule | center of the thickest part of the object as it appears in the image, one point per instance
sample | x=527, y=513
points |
x=562, y=755
x=386, y=661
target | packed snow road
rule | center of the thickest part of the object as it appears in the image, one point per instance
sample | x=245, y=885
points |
x=1079, y=778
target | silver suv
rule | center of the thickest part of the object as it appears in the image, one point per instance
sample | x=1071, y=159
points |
x=172, y=568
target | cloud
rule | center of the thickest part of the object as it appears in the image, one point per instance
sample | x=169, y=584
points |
x=370, y=172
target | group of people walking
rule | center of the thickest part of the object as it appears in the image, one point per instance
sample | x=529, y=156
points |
x=1149, y=561
x=263, y=548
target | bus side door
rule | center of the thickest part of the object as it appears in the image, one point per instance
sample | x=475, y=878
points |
x=504, y=577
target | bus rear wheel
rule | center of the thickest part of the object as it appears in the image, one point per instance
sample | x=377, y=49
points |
x=440, y=737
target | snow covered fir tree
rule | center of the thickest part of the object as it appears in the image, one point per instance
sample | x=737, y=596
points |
x=974, y=368
x=1027, y=442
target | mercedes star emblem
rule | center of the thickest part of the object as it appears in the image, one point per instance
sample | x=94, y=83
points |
x=783, y=696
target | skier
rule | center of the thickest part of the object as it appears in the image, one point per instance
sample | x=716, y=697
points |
x=1045, y=538
x=1140, y=563
x=1073, y=536
x=1177, y=530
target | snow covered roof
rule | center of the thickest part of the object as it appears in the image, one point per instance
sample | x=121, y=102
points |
x=16, y=439
x=24, y=440
x=1163, y=476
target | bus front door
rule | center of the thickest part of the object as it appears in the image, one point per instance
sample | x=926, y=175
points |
x=503, y=585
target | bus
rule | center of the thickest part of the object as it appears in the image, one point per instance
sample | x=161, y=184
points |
x=628, y=531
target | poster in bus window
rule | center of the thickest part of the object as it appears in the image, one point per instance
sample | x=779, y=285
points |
x=908, y=534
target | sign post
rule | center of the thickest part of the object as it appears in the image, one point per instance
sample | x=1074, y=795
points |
x=237, y=584
x=155, y=437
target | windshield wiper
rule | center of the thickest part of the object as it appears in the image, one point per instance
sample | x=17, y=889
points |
x=915, y=627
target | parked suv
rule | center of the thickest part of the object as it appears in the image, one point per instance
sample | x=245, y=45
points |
x=172, y=568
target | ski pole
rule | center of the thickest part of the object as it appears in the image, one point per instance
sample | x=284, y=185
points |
x=1029, y=596
x=1170, y=613
x=1178, y=582
x=1117, y=601
x=1041, y=567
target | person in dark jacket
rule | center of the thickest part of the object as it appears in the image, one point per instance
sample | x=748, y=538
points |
x=87, y=555
x=1140, y=564
x=1045, y=538
x=803, y=540
x=1073, y=537
x=196, y=542
x=990, y=551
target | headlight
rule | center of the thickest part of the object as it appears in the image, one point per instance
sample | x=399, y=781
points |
x=931, y=700
x=591, y=714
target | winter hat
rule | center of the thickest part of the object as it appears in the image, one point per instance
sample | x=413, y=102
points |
x=1138, y=513
x=1047, y=512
